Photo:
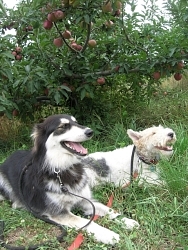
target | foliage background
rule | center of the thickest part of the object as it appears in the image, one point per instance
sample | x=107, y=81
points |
x=136, y=45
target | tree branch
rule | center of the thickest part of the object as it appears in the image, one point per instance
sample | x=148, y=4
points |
x=64, y=40
x=88, y=36
x=101, y=73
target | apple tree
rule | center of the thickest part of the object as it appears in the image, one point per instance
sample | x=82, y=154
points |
x=85, y=55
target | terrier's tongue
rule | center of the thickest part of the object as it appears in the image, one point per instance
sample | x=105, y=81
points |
x=78, y=147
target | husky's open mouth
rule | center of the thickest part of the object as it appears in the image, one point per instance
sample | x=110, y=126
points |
x=74, y=147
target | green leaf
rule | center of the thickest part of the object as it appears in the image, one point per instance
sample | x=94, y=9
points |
x=40, y=74
x=172, y=50
x=68, y=72
x=83, y=94
x=78, y=20
x=87, y=18
x=65, y=94
x=8, y=54
x=27, y=68
x=66, y=88
x=2, y=7
x=16, y=83
x=2, y=108
x=57, y=97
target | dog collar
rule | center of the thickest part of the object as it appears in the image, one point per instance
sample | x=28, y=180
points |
x=62, y=187
x=148, y=161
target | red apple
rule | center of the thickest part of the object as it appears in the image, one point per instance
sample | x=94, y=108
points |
x=79, y=47
x=92, y=43
x=58, y=42
x=46, y=91
x=51, y=17
x=74, y=45
x=117, y=68
x=118, y=4
x=66, y=34
x=14, y=53
x=18, y=57
x=47, y=24
x=18, y=49
x=109, y=24
x=101, y=80
x=59, y=14
x=156, y=75
x=15, y=112
x=107, y=7
x=180, y=65
x=30, y=28
x=177, y=76
x=117, y=13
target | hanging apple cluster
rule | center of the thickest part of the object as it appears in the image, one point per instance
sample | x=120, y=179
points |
x=17, y=53
x=177, y=69
x=66, y=38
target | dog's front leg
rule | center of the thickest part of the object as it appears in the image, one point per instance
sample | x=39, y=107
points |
x=101, y=234
x=103, y=210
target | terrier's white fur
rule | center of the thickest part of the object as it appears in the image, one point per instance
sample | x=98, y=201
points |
x=115, y=166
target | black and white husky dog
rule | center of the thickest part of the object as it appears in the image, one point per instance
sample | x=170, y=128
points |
x=50, y=179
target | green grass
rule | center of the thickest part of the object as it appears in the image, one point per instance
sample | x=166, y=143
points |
x=161, y=211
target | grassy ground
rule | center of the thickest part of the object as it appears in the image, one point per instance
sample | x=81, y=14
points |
x=161, y=211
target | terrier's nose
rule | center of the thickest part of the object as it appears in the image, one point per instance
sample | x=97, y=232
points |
x=171, y=134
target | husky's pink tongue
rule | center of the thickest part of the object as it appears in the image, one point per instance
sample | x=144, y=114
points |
x=78, y=147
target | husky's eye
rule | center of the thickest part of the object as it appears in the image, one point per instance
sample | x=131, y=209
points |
x=64, y=126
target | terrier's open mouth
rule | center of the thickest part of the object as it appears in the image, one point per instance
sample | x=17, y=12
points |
x=168, y=147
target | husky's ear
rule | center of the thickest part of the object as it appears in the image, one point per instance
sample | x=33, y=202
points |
x=35, y=132
x=134, y=135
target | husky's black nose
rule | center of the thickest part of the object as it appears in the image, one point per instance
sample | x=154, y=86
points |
x=89, y=132
x=171, y=135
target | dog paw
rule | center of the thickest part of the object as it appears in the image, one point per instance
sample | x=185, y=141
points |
x=129, y=224
x=110, y=238
x=102, y=234
x=17, y=205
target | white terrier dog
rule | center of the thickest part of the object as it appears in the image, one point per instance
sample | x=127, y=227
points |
x=122, y=165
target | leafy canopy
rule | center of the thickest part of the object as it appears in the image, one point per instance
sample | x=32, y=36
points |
x=133, y=47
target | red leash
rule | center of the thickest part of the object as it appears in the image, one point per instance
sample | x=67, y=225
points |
x=80, y=238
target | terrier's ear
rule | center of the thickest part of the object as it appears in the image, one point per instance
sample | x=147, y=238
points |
x=134, y=135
